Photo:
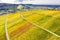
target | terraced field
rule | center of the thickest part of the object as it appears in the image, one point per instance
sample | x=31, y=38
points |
x=33, y=25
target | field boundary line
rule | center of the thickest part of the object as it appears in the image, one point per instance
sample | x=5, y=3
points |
x=40, y=27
